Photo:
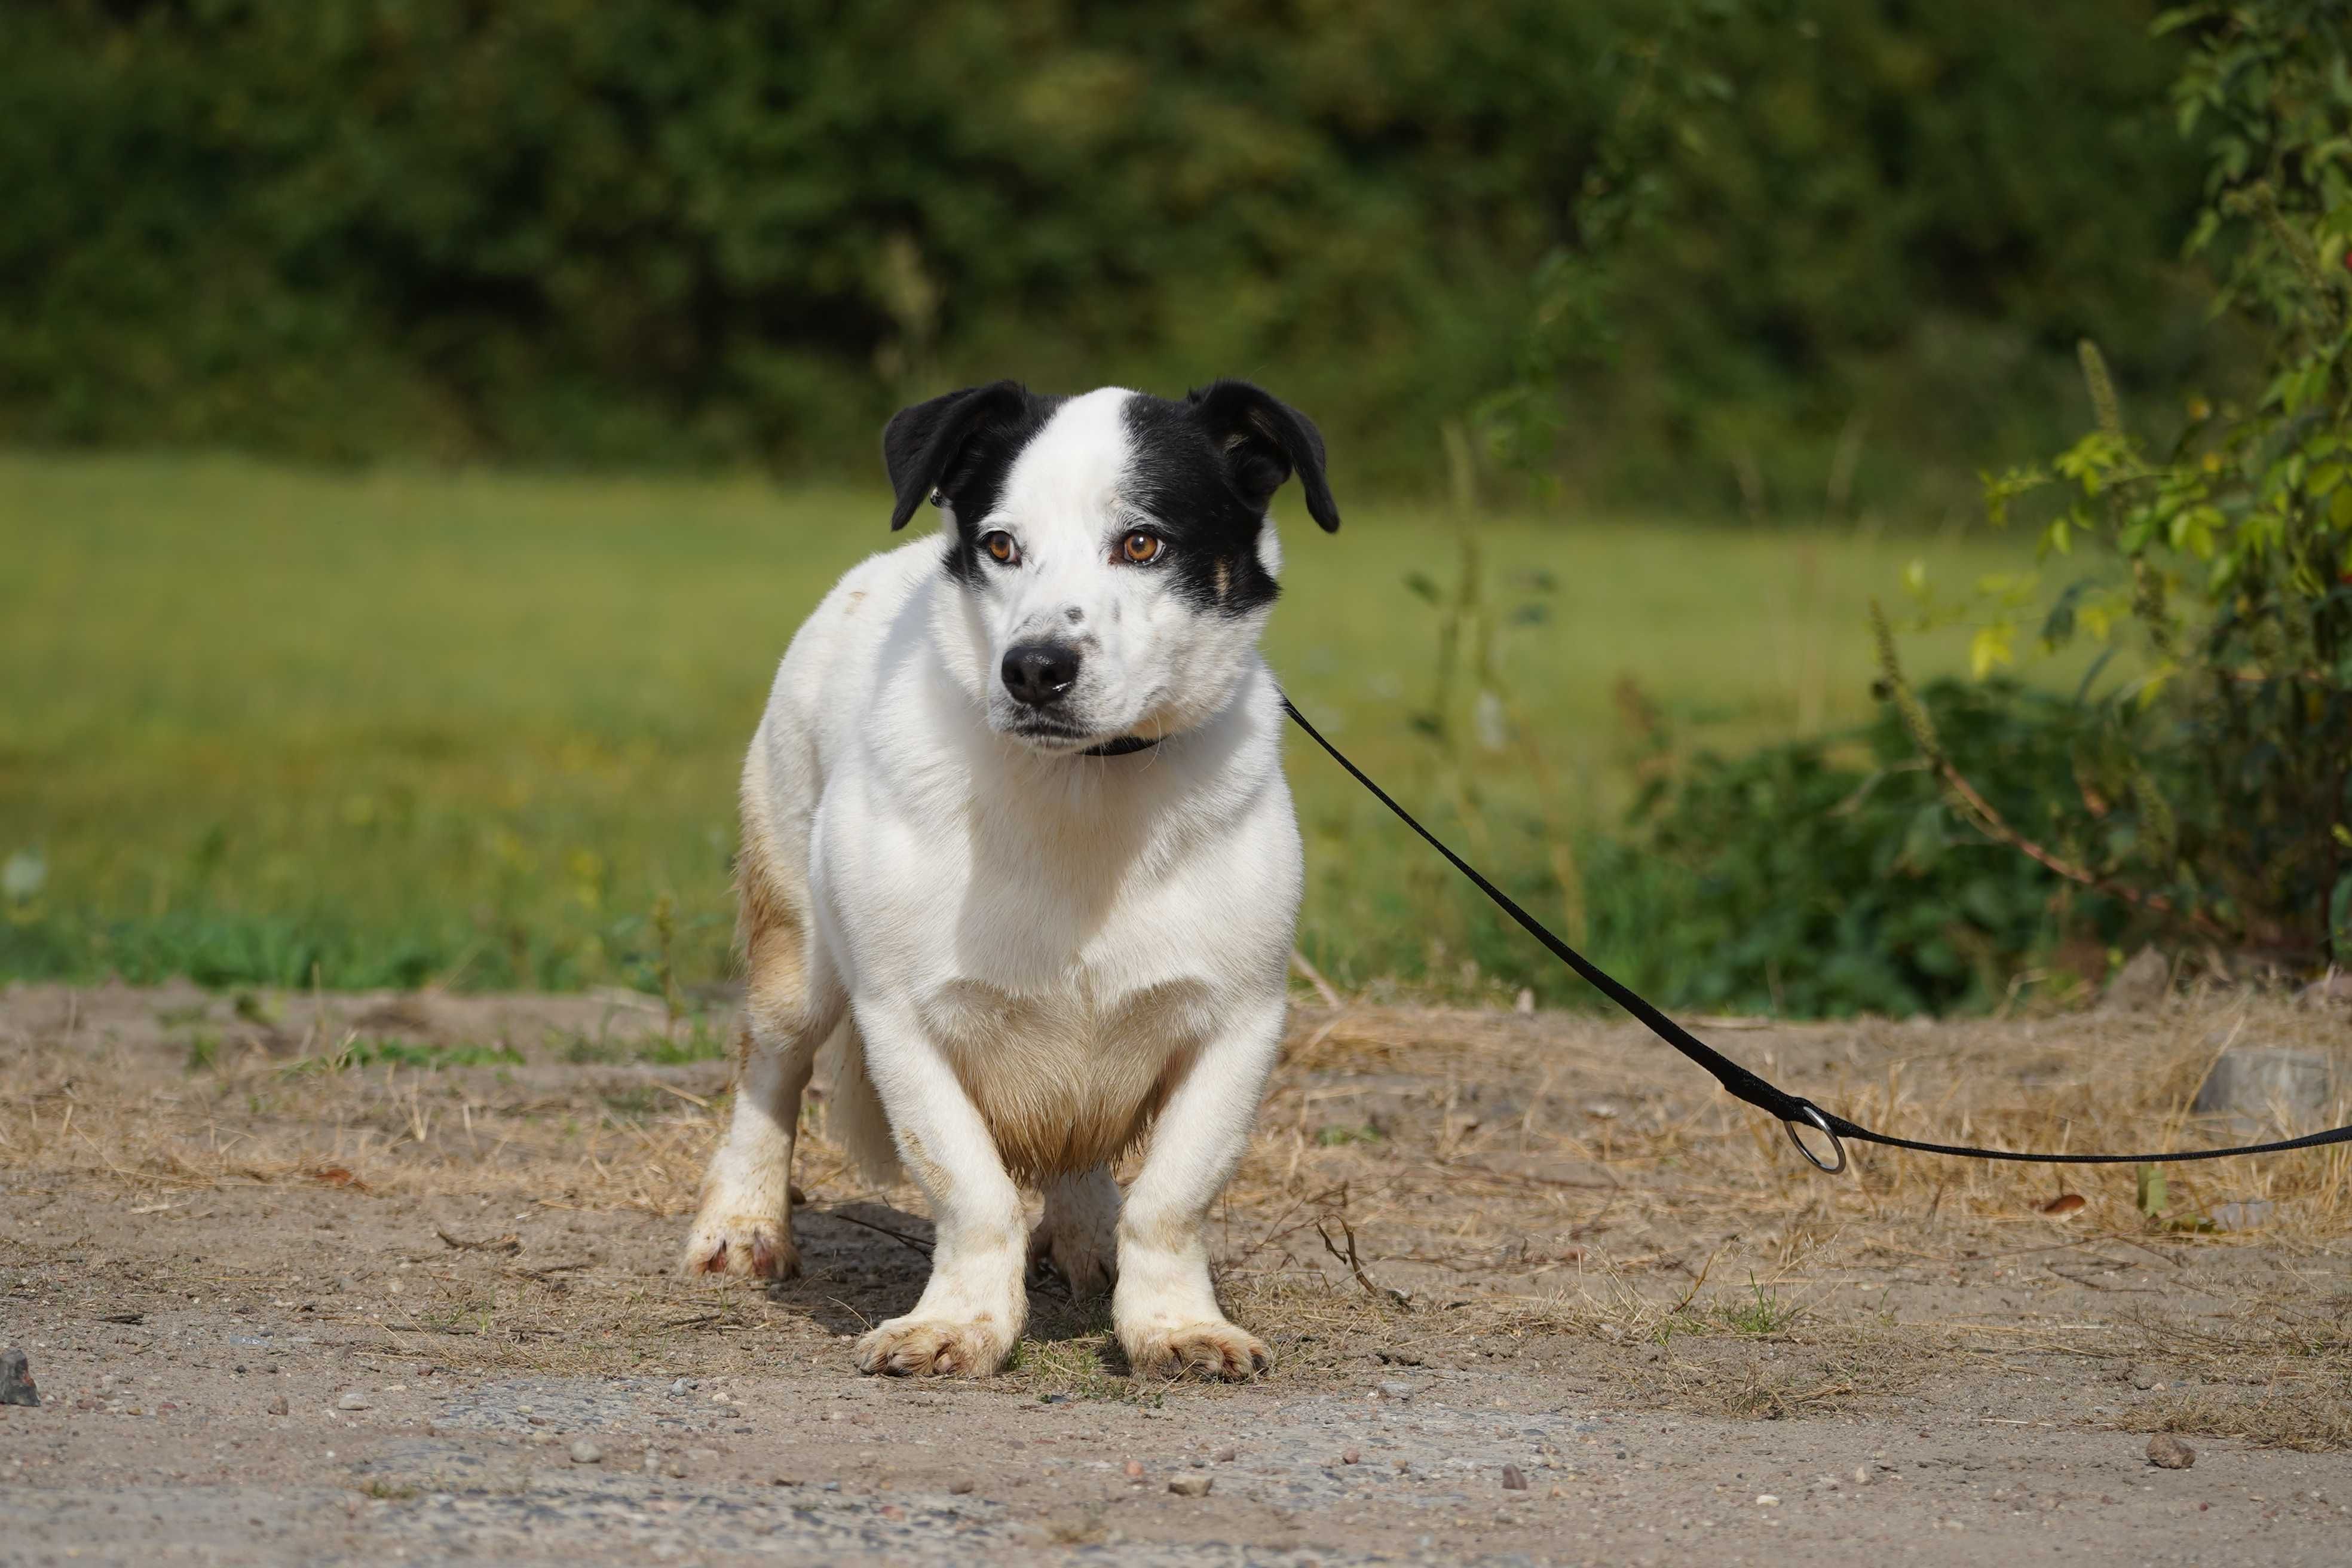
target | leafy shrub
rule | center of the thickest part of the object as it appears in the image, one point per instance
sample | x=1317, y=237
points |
x=1834, y=876
x=2212, y=782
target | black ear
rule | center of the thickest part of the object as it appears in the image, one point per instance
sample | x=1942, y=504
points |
x=921, y=444
x=1264, y=441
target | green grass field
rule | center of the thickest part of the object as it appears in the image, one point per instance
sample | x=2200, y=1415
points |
x=259, y=724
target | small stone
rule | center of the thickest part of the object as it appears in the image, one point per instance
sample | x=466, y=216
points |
x=2140, y=985
x=276, y=1406
x=1349, y=1455
x=1225, y=1456
x=674, y=1469
x=959, y=1489
x=354, y=1400
x=1766, y=1500
x=1861, y=1475
x=2167, y=1452
x=2144, y=1378
x=1514, y=1479
x=1135, y=1470
x=680, y=1386
x=1190, y=1485
x=2256, y=1086
x=17, y=1379
x=584, y=1452
x=2332, y=988
x=1400, y=1392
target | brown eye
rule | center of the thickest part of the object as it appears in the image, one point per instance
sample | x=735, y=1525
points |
x=1139, y=547
x=1000, y=548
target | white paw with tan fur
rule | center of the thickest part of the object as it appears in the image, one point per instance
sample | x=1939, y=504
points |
x=935, y=1347
x=1215, y=1349
x=740, y=1246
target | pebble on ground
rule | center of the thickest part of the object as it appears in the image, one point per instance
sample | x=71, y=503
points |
x=17, y=1380
x=2167, y=1452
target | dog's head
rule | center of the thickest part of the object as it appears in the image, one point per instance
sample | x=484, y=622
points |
x=1112, y=551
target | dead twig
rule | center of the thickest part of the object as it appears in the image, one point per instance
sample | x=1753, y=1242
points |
x=1356, y=1265
x=918, y=1244
x=509, y=1244
x=1314, y=976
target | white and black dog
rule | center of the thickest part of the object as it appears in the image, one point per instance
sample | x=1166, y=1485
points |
x=1015, y=826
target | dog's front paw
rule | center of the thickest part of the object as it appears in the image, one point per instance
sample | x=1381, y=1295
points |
x=740, y=1246
x=934, y=1347
x=1214, y=1349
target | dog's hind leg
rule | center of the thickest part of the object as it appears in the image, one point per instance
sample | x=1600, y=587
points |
x=792, y=1002
x=1080, y=1232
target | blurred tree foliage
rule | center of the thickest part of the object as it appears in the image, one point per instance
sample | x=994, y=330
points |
x=2213, y=767
x=648, y=230
x=2196, y=787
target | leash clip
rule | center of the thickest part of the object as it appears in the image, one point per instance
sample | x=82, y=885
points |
x=1811, y=1116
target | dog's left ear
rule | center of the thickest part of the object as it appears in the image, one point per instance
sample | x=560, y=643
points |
x=921, y=444
x=1264, y=441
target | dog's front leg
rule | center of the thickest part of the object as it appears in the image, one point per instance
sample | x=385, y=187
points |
x=1164, y=1307
x=974, y=1306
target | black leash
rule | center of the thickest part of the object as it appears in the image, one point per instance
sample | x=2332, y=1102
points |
x=1792, y=1111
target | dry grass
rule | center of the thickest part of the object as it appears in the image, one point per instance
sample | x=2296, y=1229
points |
x=2308, y=1420
x=1435, y=1188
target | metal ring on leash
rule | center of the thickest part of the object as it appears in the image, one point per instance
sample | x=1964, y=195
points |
x=1811, y=1116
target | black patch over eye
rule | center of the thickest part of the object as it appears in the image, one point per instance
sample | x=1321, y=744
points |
x=1203, y=471
x=999, y=547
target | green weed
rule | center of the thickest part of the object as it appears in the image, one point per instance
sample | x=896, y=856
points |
x=1761, y=1312
x=366, y=1053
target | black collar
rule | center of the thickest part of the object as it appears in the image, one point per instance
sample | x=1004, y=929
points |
x=1124, y=746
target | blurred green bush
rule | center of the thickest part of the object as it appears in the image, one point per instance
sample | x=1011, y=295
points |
x=643, y=231
x=1834, y=876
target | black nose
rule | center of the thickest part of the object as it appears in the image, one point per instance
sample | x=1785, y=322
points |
x=1040, y=674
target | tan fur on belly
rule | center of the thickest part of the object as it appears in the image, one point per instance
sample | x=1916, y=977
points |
x=1064, y=1086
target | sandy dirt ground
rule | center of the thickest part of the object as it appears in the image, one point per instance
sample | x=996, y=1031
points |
x=371, y=1278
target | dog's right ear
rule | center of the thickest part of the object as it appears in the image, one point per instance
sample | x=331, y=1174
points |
x=919, y=444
